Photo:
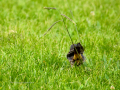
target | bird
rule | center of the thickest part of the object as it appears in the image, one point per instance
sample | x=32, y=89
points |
x=75, y=55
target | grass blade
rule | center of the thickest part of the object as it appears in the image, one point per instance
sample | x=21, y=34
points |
x=51, y=27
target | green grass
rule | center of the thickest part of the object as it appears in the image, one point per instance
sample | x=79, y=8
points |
x=30, y=61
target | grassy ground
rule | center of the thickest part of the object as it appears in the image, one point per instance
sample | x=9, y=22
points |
x=30, y=61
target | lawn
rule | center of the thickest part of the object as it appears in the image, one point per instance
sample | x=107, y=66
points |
x=30, y=60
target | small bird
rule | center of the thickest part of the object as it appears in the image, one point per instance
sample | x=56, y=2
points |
x=75, y=55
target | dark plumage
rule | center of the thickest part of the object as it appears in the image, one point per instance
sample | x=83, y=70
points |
x=75, y=55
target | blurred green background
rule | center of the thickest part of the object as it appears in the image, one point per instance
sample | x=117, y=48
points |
x=29, y=60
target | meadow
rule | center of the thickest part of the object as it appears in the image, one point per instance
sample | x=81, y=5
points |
x=29, y=60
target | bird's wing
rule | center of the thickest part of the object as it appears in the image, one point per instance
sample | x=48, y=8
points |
x=70, y=55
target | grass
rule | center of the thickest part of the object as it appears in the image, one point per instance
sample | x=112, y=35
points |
x=30, y=61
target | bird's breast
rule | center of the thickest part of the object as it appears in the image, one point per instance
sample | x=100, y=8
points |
x=77, y=57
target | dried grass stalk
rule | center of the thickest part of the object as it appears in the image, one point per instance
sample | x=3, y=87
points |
x=49, y=8
x=68, y=18
x=52, y=26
